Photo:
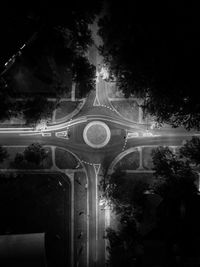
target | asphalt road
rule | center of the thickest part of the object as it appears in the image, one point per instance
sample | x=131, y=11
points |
x=96, y=108
x=90, y=156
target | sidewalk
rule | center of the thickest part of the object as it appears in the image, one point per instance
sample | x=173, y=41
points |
x=19, y=124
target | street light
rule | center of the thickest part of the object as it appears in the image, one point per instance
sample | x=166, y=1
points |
x=41, y=126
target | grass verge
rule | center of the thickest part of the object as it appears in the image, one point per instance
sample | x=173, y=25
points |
x=65, y=160
x=12, y=151
x=128, y=109
x=129, y=162
x=65, y=108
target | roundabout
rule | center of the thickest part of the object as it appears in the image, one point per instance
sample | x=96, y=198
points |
x=96, y=134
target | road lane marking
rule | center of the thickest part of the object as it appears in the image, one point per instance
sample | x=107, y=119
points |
x=130, y=150
x=27, y=134
x=38, y=133
x=71, y=178
x=104, y=106
x=46, y=134
x=96, y=102
x=86, y=162
x=96, y=168
x=63, y=134
x=49, y=128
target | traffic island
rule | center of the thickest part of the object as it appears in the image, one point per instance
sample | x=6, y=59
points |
x=96, y=134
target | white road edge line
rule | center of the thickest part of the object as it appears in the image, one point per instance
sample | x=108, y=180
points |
x=87, y=219
x=97, y=203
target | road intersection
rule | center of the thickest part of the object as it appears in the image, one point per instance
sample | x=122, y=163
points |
x=124, y=137
x=121, y=137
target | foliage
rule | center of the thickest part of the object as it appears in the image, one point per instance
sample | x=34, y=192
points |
x=3, y=154
x=125, y=195
x=158, y=62
x=35, y=153
x=176, y=219
x=8, y=105
x=122, y=246
x=174, y=177
x=177, y=215
x=19, y=158
x=191, y=150
x=127, y=200
x=19, y=21
x=58, y=46
x=32, y=157
x=84, y=74
x=36, y=109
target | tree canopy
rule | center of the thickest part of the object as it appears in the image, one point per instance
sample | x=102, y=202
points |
x=175, y=177
x=158, y=62
x=175, y=218
x=3, y=154
x=126, y=197
x=191, y=150
x=177, y=215
x=55, y=40
x=35, y=153
x=33, y=156
x=36, y=109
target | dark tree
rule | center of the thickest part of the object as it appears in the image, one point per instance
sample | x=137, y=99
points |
x=174, y=177
x=35, y=153
x=84, y=74
x=19, y=158
x=167, y=210
x=3, y=154
x=56, y=40
x=7, y=103
x=177, y=215
x=37, y=109
x=19, y=21
x=125, y=194
x=127, y=200
x=158, y=62
x=122, y=245
x=191, y=150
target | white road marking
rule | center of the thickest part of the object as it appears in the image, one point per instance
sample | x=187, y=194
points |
x=27, y=134
x=96, y=169
x=71, y=177
x=96, y=102
x=46, y=134
x=104, y=106
x=86, y=162
x=63, y=134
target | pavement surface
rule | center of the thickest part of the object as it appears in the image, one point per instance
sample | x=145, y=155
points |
x=124, y=135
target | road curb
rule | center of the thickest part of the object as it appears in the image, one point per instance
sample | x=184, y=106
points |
x=69, y=116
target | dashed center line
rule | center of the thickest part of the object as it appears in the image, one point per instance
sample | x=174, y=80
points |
x=104, y=106
x=86, y=162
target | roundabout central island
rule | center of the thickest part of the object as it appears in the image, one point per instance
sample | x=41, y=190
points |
x=96, y=134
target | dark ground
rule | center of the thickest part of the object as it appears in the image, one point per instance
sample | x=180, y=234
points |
x=35, y=203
